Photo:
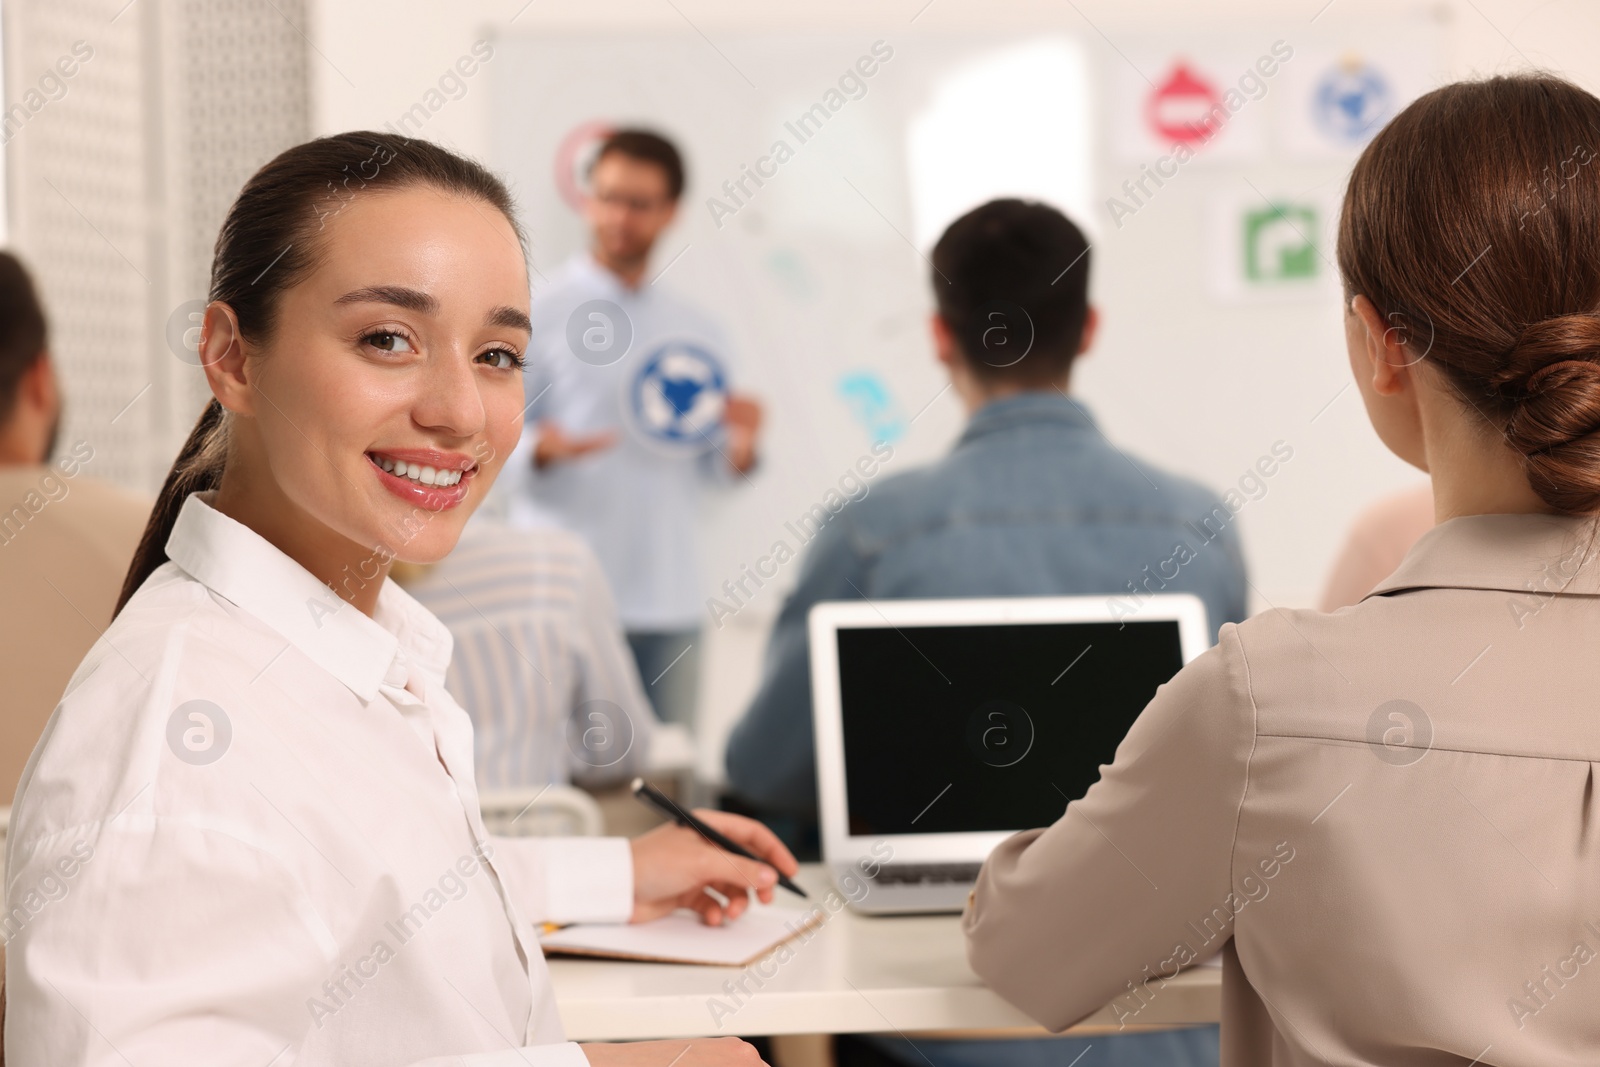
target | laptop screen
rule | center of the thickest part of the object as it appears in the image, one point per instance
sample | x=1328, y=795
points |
x=951, y=729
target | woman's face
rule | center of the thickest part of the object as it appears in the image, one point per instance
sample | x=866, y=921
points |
x=390, y=391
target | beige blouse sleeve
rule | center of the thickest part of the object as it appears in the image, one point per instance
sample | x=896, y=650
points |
x=1070, y=918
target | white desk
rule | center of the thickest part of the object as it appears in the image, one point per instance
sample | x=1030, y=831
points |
x=857, y=975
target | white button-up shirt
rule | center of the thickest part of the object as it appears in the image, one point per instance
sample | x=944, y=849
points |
x=250, y=836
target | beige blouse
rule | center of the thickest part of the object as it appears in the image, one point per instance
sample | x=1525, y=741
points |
x=1385, y=819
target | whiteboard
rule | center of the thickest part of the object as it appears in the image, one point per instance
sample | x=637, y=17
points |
x=820, y=275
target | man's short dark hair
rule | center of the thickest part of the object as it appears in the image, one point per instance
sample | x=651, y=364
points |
x=22, y=331
x=650, y=147
x=1011, y=279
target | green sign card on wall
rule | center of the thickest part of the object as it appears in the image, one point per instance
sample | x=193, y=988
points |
x=1280, y=243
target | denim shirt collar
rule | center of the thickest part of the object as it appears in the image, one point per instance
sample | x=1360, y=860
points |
x=1034, y=406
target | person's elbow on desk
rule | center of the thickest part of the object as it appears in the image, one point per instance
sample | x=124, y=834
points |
x=1005, y=940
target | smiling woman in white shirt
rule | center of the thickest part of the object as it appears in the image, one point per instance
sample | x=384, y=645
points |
x=250, y=833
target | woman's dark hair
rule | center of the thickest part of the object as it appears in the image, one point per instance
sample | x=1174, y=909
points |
x=1472, y=223
x=271, y=239
x=1011, y=280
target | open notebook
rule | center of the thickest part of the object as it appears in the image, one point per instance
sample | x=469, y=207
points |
x=682, y=938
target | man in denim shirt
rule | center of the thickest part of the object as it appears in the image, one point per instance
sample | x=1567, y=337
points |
x=1032, y=501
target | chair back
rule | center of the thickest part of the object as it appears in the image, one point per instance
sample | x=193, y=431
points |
x=548, y=811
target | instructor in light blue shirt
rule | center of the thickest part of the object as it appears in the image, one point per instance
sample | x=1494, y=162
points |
x=631, y=412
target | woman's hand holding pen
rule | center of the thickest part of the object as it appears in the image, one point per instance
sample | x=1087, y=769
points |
x=673, y=867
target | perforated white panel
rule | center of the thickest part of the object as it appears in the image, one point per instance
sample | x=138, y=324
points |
x=77, y=207
x=120, y=178
x=237, y=98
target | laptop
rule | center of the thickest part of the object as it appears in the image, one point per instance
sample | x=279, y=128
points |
x=945, y=726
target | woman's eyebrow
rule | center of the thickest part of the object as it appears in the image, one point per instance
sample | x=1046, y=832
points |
x=423, y=303
x=510, y=317
x=398, y=295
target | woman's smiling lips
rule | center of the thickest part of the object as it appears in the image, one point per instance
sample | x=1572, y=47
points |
x=425, y=477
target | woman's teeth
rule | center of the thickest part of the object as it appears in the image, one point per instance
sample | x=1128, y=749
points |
x=417, y=472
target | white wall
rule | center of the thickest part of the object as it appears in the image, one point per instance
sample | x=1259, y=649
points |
x=118, y=176
x=1175, y=377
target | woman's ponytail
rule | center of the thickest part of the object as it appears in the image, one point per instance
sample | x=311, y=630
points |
x=197, y=468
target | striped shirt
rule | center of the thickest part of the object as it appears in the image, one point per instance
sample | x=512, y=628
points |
x=540, y=662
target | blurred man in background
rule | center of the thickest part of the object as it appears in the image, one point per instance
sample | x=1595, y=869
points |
x=539, y=661
x=631, y=413
x=66, y=538
x=1032, y=501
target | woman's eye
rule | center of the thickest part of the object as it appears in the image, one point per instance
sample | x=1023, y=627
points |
x=502, y=358
x=386, y=341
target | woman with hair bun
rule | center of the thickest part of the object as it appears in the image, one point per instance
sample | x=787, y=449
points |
x=250, y=834
x=1385, y=819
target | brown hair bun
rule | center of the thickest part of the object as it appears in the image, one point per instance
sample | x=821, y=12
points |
x=1554, y=392
x=1476, y=213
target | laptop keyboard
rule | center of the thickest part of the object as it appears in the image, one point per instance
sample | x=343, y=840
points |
x=926, y=873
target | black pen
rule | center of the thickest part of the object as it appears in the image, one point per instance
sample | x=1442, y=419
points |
x=654, y=797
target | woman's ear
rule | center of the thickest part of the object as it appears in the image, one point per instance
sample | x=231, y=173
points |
x=1387, y=355
x=222, y=356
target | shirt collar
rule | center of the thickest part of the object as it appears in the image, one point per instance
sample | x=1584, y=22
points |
x=245, y=569
x=1034, y=405
x=1516, y=553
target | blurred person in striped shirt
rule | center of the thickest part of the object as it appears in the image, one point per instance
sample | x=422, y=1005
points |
x=540, y=663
